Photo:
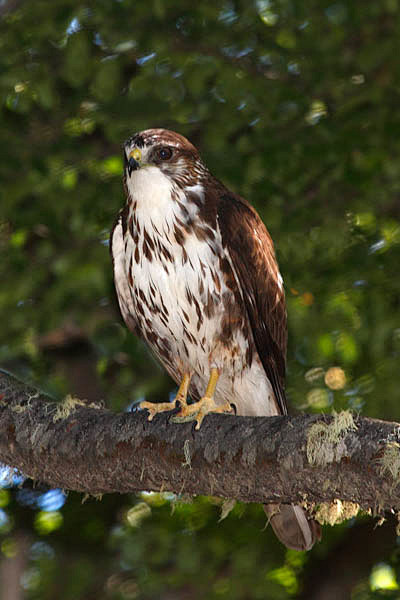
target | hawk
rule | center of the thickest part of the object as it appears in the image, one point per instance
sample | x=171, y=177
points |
x=196, y=278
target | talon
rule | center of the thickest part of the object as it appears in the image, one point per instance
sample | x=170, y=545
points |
x=198, y=410
x=155, y=408
x=191, y=412
x=207, y=406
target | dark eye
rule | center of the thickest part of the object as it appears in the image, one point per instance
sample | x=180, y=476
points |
x=164, y=153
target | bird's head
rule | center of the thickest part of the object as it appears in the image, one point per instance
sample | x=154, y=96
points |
x=168, y=152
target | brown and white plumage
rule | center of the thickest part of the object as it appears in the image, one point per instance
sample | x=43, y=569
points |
x=197, y=279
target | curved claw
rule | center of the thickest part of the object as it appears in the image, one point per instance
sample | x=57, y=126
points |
x=155, y=408
x=198, y=410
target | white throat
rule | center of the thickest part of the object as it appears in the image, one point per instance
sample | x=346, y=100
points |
x=150, y=188
x=158, y=200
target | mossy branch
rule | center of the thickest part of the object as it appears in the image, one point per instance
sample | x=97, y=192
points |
x=309, y=458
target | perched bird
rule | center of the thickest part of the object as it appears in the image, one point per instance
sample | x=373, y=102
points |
x=197, y=278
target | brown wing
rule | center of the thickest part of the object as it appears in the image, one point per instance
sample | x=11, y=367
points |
x=252, y=255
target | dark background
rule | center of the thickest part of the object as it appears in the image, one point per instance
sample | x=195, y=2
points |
x=295, y=105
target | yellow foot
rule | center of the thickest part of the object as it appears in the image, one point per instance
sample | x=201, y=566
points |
x=198, y=410
x=157, y=407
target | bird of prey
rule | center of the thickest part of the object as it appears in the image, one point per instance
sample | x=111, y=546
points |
x=197, y=278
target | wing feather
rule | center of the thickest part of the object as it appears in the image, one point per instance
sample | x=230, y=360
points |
x=252, y=256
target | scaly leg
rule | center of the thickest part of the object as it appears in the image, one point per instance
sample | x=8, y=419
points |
x=198, y=410
x=154, y=407
x=183, y=390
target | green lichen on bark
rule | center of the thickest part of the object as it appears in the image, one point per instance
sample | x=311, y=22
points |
x=325, y=441
x=390, y=461
x=333, y=513
x=69, y=405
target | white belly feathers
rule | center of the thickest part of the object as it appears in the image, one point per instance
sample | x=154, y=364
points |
x=168, y=279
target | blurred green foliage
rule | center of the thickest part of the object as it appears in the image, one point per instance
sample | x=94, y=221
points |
x=295, y=106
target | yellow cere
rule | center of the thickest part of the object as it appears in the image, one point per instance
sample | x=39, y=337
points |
x=136, y=154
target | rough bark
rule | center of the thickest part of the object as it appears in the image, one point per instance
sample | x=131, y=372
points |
x=312, y=458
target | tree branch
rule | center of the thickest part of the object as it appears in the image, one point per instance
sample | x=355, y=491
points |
x=312, y=458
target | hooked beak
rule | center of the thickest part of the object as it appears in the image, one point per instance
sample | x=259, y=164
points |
x=132, y=161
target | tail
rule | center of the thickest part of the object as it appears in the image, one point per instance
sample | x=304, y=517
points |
x=292, y=526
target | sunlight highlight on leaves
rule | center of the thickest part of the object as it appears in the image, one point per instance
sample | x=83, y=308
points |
x=383, y=578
